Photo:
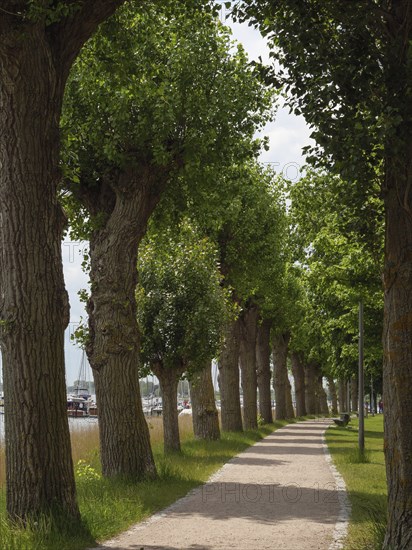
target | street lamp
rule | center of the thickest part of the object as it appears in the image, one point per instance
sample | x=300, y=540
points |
x=361, y=436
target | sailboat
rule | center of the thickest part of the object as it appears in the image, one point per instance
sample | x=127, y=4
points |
x=80, y=403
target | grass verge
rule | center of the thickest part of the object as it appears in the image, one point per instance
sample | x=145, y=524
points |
x=365, y=479
x=111, y=506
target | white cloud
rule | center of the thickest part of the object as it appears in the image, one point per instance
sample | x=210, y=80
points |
x=288, y=133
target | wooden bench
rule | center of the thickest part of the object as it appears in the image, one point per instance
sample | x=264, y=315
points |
x=343, y=420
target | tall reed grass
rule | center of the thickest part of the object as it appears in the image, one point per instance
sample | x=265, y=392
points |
x=84, y=436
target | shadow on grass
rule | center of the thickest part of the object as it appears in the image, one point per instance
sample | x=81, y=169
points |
x=47, y=532
x=373, y=435
x=369, y=519
x=369, y=505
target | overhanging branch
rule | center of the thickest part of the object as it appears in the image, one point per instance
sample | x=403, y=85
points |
x=70, y=34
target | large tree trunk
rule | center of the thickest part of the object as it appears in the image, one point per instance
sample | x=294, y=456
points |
x=342, y=395
x=333, y=396
x=348, y=396
x=322, y=397
x=202, y=395
x=247, y=360
x=397, y=341
x=354, y=393
x=263, y=370
x=113, y=347
x=231, y=414
x=290, y=411
x=280, y=354
x=35, y=60
x=298, y=371
x=169, y=380
x=311, y=388
x=34, y=305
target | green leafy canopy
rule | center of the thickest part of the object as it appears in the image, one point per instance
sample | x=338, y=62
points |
x=181, y=302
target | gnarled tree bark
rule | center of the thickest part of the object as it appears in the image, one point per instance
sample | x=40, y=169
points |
x=312, y=405
x=342, y=395
x=169, y=379
x=290, y=411
x=204, y=412
x=280, y=345
x=332, y=391
x=263, y=370
x=231, y=415
x=127, y=200
x=298, y=371
x=35, y=59
x=247, y=360
x=354, y=393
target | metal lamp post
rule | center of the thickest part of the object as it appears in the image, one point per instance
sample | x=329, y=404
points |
x=361, y=437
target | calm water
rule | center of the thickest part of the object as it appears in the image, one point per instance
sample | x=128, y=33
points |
x=75, y=424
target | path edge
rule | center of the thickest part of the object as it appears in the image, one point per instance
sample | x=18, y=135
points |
x=341, y=528
x=340, y=532
x=160, y=514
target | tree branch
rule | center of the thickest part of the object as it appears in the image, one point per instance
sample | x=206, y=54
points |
x=69, y=35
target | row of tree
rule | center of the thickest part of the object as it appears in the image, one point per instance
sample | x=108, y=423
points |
x=147, y=117
x=182, y=309
x=160, y=101
x=347, y=69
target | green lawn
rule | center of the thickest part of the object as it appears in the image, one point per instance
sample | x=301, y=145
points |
x=109, y=507
x=365, y=481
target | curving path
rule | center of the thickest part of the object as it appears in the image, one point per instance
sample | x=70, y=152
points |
x=280, y=494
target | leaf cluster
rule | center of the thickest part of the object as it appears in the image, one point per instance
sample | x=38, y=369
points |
x=340, y=259
x=333, y=63
x=251, y=237
x=181, y=302
x=160, y=83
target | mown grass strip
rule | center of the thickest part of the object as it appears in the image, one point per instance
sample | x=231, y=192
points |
x=365, y=479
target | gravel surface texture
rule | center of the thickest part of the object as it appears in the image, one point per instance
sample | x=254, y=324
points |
x=280, y=494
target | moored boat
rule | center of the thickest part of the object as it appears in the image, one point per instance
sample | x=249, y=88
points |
x=77, y=406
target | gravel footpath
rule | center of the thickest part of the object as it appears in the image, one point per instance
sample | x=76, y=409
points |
x=280, y=494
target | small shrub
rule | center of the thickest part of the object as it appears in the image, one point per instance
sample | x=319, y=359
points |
x=85, y=472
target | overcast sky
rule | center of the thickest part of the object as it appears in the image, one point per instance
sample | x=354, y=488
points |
x=287, y=135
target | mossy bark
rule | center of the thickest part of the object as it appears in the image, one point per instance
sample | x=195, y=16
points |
x=124, y=200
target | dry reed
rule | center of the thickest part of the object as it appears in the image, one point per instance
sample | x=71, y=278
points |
x=84, y=436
